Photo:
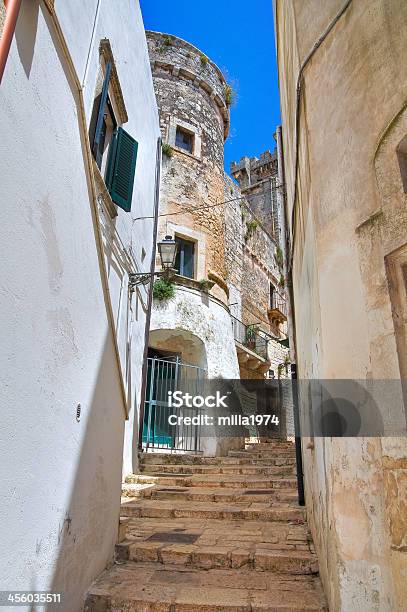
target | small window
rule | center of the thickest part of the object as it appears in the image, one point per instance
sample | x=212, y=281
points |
x=185, y=260
x=272, y=290
x=109, y=125
x=402, y=159
x=114, y=150
x=184, y=140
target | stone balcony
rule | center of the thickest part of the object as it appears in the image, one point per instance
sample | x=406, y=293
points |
x=251, y=347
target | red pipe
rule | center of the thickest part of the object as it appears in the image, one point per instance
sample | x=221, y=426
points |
x=12, y=10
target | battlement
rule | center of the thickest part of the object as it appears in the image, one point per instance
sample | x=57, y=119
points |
x=173, y=57
x=251, y=170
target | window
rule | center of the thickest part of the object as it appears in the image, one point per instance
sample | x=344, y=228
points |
x=107, y=131
x=185, y=260
x=271, y=295
x=402, y=159
x=184, y=140
x=114, y=150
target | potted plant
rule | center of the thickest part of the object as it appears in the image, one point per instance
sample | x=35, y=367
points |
x=251, y=336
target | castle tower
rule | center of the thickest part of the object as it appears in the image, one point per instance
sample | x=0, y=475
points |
x=193, y=99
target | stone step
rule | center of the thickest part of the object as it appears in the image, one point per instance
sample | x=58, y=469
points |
x=214, y=480
x=199, y=510
x=265, y=455
x=209, y=557
x=186, y=459
x=258, y=545
x=250, y=470
x=270, y=444
x=213, y=495
x=149, y=587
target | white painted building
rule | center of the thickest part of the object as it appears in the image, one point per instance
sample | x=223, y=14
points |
x=72, y=334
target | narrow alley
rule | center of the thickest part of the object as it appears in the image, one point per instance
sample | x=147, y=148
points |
x=203, y=306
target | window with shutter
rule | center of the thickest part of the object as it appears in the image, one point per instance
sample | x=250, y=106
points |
x=121, y=168
x=98, y=122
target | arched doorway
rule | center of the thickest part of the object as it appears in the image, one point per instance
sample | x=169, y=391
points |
x=176, y=362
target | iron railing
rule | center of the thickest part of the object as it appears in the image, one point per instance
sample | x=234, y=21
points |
x=279, y=303
x=163, y=376
x=248, y=336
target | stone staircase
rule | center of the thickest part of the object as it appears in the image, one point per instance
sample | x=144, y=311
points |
x=213, y=534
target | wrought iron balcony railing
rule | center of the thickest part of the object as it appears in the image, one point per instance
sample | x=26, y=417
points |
x=278, y=308
x=248, y=336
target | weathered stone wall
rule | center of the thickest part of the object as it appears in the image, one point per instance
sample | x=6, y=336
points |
x=350, y=296
x=191, y=92
x=257, y=180
x=251, y=263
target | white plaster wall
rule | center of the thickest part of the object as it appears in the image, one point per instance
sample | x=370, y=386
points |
x=122, y=23
x=60, y=479
x=206, y=318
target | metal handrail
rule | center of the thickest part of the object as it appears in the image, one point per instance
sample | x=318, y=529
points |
x=245, y=335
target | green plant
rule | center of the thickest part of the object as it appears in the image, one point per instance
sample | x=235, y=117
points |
x=251, y=227
x=206, y=284
x=251, y=333
x=280, y=369
x=279, y=257
x=167, y=42
x=204, y=59
x=230, y=94
x=163, y=290
x=167, y=149
x=281, y=282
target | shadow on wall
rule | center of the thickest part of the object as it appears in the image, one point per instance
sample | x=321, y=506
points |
x=26, y=33
x=89, y=529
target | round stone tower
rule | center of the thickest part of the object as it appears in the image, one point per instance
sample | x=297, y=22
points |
x=193, y=100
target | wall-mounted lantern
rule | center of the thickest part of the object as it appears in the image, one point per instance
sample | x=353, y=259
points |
x=167, y=249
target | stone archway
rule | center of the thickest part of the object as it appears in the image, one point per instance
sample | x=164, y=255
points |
x=181, y=342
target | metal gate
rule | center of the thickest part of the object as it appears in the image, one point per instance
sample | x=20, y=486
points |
x=164, y=375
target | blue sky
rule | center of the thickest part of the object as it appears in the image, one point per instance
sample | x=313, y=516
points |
x=239, y=37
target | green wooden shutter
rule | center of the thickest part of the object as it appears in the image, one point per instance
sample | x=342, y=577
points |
x=121, y=168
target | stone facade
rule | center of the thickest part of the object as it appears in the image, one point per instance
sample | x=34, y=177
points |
x=344, y=172
x=257, y=179
x=254, y=255
x=191, y=95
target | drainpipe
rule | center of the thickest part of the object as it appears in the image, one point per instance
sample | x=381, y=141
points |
x=291, y=319
x=150, y=294
x=12, y=11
